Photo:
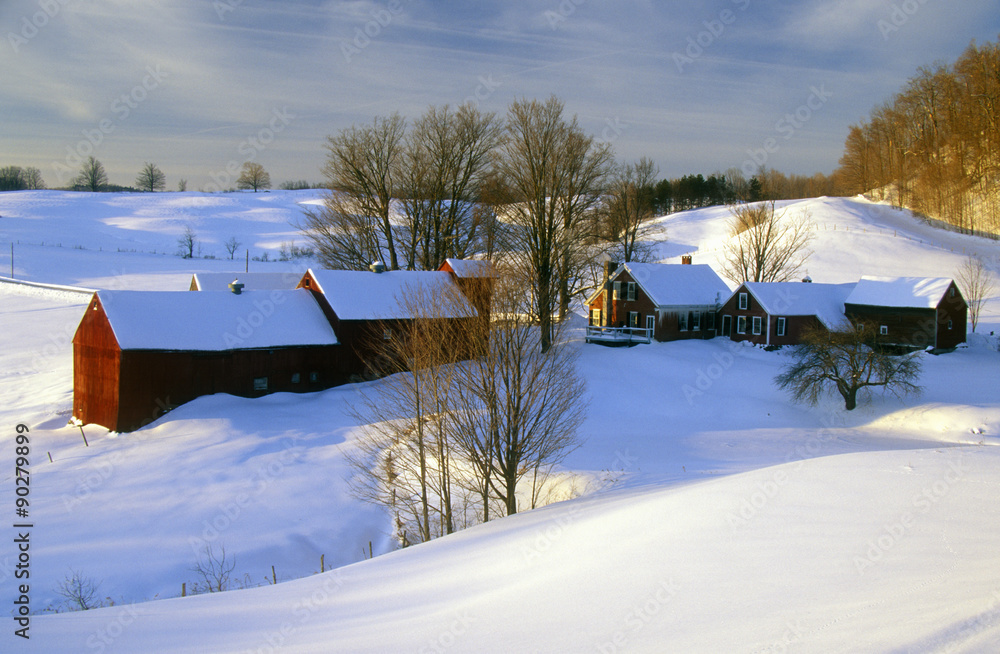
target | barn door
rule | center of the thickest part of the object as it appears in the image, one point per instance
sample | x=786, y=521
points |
x=727, y=325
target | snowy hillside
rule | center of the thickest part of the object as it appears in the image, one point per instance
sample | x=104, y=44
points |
x=712, y=514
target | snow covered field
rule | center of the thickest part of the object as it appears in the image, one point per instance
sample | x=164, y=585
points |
x=714, y=516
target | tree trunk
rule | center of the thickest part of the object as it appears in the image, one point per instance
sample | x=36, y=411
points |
x=850, y=398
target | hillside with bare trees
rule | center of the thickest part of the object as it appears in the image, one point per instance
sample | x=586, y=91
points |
x=935, y=146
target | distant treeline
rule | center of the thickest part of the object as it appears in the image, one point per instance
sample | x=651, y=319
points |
x=695, y=191
x=935, y=146
x=15, y=178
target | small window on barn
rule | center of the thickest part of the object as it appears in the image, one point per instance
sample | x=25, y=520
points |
x=741, y=324
x=696, y=320
x=682, y=321
x=633, y=318
x=260, y=383
x=781, y=326
x=950, y=324
x=743, y=301
x=306, y=283
x=883, y=330
x=617, y=291
x=314, y=377
x=386, y=334
x=951, y=293
x=631, y=291
x=296, y=377
x=756, y=324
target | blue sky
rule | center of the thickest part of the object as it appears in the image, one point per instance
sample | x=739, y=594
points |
x=200, y=87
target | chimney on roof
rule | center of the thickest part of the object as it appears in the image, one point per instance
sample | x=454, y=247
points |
x=609, y=269
x=377, y=267
x=686, y=259
x=236, y=286
x=807, y=280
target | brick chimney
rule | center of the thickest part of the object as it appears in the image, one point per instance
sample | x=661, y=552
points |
x=686, y=259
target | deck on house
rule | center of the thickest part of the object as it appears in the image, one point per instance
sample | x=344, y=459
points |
x=619, y=335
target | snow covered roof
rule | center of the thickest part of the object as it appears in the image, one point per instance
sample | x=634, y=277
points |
x=365, y=295
x=909, y=292
x=464, y=268
x=825, y=301
x=255, y=281
x=677, y=284
x=214, y=320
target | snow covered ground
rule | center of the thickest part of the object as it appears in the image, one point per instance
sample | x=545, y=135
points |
x=713, y=516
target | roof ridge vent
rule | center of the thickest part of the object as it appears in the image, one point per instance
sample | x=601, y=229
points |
x=236, y=286
x=377, y=267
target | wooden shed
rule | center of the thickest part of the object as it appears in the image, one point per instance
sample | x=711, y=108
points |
x=137, y=354
x=779, y=313
x=911, y=312
x=670, y=301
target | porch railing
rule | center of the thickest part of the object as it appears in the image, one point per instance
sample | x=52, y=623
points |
x=597, y=334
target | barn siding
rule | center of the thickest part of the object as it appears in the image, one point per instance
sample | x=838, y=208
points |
x=96, y=360
x=907, y=327
x=667, y=321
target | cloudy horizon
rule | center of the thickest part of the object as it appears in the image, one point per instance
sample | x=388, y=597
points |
x=200, y=87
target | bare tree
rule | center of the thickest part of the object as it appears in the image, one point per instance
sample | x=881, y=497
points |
x=182, y=185
x=627, y=211
x=215, y=570
x=848, y=361
x=92, y=176
x=765, y=245
x=80, y=592
x=354, y=227
x=232, y=245
x=253, y=176
x=151, y=178
x=977, y=286
x=186, y=243
x=444, y=162
x=544, y=160
x=517, y=408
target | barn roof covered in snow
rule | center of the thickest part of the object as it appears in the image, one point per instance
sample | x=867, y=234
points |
x=903, y=292
x=214, y=321
x=366, y=295
x=464, y=268
x=255, y=281
x=676, y=284
x=825, y=301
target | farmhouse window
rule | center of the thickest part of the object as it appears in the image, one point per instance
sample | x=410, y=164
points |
x=595, y=317
x=781, y=326
x=710, y=320
x=386, y=334
x=741, y=324
x=696, y=320
x=682, y=322
x=631, y=291
x=314, y=377
x=633, y=318
x=756, y=324
x=743, y=301
x=296, y=377
x=260, y=383
x=883, y=330
x=617, y=292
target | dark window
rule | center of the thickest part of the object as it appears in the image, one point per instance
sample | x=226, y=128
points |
x=710, y=320
x=950, y=324
x=756, y=324
x=296, y=378
x=741, y=324
x=633, y=318
x=696, y=320
x=314, y=377
x=595, y=317
x=883, y=330
x=387, y=334
x=682, y=322
x=743, y=301
x=631, y=291
x=781, y=326
x=260, y=383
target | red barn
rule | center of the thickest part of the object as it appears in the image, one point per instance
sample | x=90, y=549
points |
x=778, y=313
x=366, y=307
x=911, y=312
x=136, y=354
